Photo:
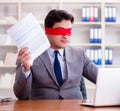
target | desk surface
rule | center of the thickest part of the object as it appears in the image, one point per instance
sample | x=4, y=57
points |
x=50, y=105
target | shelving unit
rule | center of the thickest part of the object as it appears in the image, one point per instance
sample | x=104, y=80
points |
x=111, y=35
x=13, y=11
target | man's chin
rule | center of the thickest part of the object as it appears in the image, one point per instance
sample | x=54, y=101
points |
x=64, y=46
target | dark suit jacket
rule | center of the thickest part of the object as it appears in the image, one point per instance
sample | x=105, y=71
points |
x=42, y=83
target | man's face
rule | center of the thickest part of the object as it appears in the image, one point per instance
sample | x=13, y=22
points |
x=60, y=41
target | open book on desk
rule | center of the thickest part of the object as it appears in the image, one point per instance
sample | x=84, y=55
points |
x=28, y=33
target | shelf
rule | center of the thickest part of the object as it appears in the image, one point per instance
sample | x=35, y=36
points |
x=110, y=31
x=7, y=69
x=7, y=24
x=80, y=30
x=87, y=23
x=86, y=45
x=113, y=66
x=112, y=23
x=112, y=45
x=10, y=46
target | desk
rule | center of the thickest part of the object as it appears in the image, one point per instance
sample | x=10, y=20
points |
x=50, y=105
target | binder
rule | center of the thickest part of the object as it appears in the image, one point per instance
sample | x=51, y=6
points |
x=106, y=14
x=110, y=60
x=106, y=57
x=88, y=53
x=95, y=35
x=92, y=54
x=84, y=18
x=110, y=14
x=87, y=14
x=99, y=39
x=91, y=35
x=96, y=18
x=96, y=56
x=99, y=56
x=113, y=14
x=92, y=14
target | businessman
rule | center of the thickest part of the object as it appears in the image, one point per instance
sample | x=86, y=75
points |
x=58, y=72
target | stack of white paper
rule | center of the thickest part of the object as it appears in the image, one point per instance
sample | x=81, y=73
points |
x=28, y=33
x=7, y=77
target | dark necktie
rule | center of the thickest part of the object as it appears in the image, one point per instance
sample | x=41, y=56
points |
x=57, y=69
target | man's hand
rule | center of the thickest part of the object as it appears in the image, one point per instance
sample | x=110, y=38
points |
x=24, y=56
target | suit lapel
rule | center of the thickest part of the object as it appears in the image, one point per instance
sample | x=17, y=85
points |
x=46, y=60
x=68, y=61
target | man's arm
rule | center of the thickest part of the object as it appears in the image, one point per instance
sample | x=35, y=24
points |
x=22, y=85
x=90, y=69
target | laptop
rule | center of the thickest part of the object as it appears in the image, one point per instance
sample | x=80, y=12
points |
x=107, y=91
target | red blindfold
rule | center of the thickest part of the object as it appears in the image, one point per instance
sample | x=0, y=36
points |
x=58, y=31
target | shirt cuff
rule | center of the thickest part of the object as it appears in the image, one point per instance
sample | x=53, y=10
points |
x=26, y=73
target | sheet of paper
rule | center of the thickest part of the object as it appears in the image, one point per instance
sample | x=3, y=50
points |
x=28, y=33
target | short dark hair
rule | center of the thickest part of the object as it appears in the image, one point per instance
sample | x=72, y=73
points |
x=57, y=16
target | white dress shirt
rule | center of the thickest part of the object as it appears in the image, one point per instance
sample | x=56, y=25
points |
x=61, y=59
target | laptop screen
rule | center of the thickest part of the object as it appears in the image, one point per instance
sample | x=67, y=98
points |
x=108, y=87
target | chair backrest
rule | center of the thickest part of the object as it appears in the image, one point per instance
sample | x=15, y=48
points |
x=83, y=88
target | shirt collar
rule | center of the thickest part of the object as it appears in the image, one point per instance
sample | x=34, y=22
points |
x=51, y=51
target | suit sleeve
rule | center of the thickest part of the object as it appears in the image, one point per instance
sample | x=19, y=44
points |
x=22, y=85
x=90, y=69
